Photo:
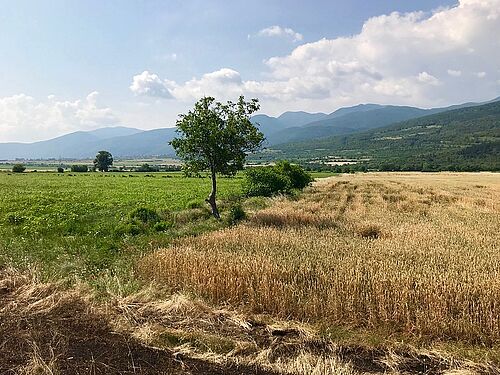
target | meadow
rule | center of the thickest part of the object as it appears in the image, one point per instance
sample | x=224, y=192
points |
x=77, y=226
x=377, y=273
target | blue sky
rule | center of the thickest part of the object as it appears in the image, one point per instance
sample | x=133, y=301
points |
x=78, y=65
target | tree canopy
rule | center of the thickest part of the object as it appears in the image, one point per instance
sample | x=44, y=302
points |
x=103, y=161
x=216, y=137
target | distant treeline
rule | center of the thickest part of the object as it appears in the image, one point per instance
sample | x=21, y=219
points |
x=394, y=166
x=143, y=168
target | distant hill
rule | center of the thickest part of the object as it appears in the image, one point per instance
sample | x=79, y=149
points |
x=271, y=125
x=286, y=128
x=464, y=138
x=120, y=141
x=114, y=131
x=347, y=121
x=300, y=118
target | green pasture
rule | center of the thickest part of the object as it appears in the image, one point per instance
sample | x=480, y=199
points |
x=71, y=224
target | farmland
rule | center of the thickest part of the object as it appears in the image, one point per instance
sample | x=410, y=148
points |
x=409, y=257
x=75, y=225
x=370, y=272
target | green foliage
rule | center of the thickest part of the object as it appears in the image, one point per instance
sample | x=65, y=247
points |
x=193, y=203
x=14, y=219
x=141, y=220
x=130, y=227
x=265, y=181
x=299, y=178
x=278, y=179
x=60, y=170
x=162, y=226
x=236, y=214
x=18, y=168
x=103, y=160
x=216, y=136
x=147, y=168
x=79, y=168
x=145, y=215
x=192, y=215
x=79, y=225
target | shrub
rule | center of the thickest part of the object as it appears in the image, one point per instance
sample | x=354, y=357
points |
x=79, y=168
x=141, y=220
x=281, y=178
x=145, y=215
x=236, y=214
x=60, y=170
x=265, y=181
x=18, y=168
x=299, y=178
x=147, y=168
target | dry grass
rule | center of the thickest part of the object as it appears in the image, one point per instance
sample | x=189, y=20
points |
x=412, y=254
x=46, y=329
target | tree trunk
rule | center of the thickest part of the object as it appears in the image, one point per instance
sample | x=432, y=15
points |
x=211, y=197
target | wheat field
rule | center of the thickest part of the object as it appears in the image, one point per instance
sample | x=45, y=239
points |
x=410, y=253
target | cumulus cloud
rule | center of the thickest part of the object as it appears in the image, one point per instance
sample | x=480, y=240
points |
x=427, y=78
x=454, y=73
x=24, y=117
x=150, y=84
x=278, y=31
x=395, y=58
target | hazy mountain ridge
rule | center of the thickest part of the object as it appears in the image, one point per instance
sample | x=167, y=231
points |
x=288, y=127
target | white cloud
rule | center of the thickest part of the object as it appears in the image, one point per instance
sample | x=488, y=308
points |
x=427, y=78
x=480, y=74
x=24, y=117
x=454, y=73
x=149, y=84
x=221, y=83
x=278, y=31
x=389, y=61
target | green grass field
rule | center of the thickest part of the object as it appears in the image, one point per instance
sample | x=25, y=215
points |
x=72, y=225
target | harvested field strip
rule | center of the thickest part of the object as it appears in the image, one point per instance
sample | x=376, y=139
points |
x=413, y=254
x=46, y=329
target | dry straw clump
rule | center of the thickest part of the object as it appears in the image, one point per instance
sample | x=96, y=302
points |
x=416, y=254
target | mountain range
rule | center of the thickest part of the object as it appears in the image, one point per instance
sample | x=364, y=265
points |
x=463, y=138
x=289, y=127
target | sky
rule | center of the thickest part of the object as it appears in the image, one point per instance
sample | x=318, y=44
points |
x=68, y=65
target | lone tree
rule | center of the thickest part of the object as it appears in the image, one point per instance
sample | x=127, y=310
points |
x=18, y=168
x=217, y=137
x=103, y=160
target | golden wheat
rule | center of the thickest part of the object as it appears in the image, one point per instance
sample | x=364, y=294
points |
x=413, y=253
